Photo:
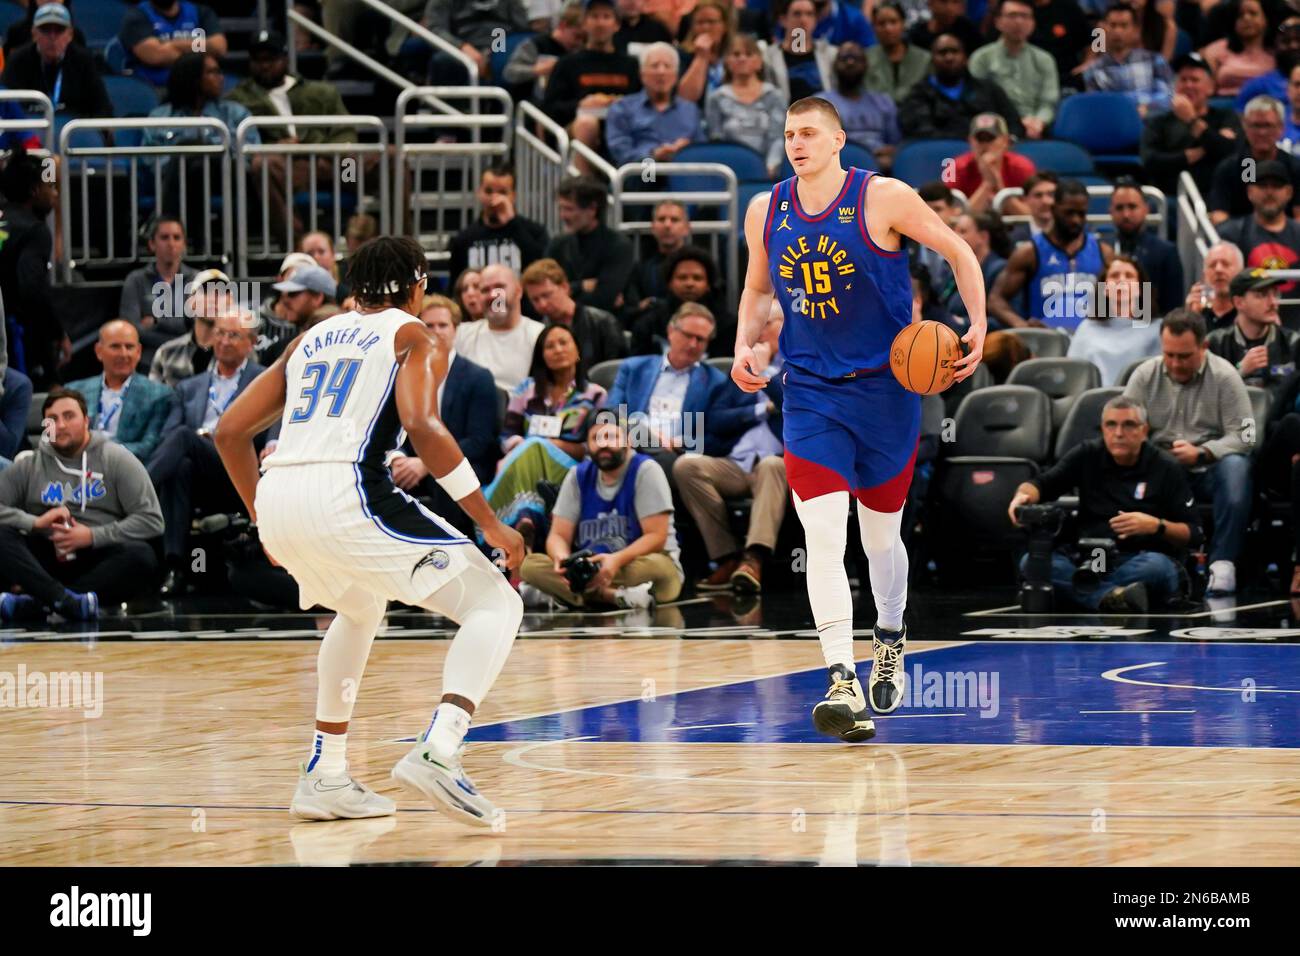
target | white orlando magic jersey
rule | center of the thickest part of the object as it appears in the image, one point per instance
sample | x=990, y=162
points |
x=339, y=403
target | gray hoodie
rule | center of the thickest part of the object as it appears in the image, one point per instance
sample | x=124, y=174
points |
x=105, y=487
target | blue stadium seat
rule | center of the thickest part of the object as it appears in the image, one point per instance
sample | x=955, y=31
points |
x=1107, y=125
x=499, y=57
x=747, y=164
x=921, y=161
x=855, y=155
x=1064, y=159
x=11, y=13
x=115, y=57
x=1223, y=102
x=130, y=96
x=99, y=20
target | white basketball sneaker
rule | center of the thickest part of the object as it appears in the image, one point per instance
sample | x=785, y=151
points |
x=445, y=783
x=885, y=686
x=843, y=712
x=341, y=798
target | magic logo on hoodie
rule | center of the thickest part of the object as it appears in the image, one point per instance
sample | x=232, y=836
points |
x=69, y=493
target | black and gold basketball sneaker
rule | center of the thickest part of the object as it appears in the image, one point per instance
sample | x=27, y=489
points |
x=843, y=712
x=885, y=686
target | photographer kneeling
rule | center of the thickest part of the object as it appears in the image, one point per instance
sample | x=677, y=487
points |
x=1137, y=516
x=616, y=508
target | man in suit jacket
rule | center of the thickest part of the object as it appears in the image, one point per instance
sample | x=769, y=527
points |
x=186, y=468
x=467, y=404
x=126, y=405
x=755, y=467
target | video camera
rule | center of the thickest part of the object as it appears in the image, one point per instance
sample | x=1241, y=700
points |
x=1042, y=522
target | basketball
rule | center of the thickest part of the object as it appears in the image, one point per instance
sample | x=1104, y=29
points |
x=923, y=357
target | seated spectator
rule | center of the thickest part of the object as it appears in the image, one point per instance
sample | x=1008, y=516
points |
x=948, y=207
x=1286, y=54
x=125, y=405
x=839, y=22
x=1211, y=295
x=361, y=228
x=58, y=67
x=473, y=28
x=1246, y=52
x=926, y=304
x=797, y=68
x=1193, y=135
x=946, y=16
x=745, y=108
x=1040, y=196
x=653, y=123
x=271, y=90
x=24, y=270
x=943, y=104
x=186, y=468
x=533, y=61
x=1058, y=269
x=712, y=25
x=1198, y=408
x=1290, y=142
x=150, y=293
x=692, y=276
x=1279, y=459
x=1126, y=67
x=157, y=33
x=1026, y=73
x=988, y=239
x=320, y=246
x=1062, y=29
x=991, y=166
x=302, y=295
x=598, y=334
x=636, y=25
x=1159, y=257
x=1258, y=347
x=1263, y=123
x=19, y=33
x=584, y=84
x=15, y=402
x=78, y=520
x=467, y=292
x=1130, y=492
x=467, y=405
x=499, y=235
x=503, y=342
x=1268, y=238
x=670, y=230
x=617, y=504
x=894, y=66
x=754, y=468
x=597, y=259
x=189, y=354
x=545, y=433
x=273, y=317
x=869, y=119
x=1122, y=330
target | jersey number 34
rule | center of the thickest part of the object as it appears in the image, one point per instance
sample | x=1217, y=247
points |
x=334, y=381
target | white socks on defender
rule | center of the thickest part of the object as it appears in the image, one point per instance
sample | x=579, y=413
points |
x=887, y=564
x=329, y=754
x=447, y=730
x=825, y=525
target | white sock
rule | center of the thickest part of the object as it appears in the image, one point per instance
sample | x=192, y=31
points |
x=887, y=564
x=329, y=754
x=447, y=730
x=825, y=524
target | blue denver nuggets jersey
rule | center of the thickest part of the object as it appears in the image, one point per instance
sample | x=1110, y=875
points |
x=843, y=296
x=1062, y=289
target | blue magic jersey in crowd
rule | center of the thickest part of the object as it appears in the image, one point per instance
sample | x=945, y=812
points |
x=843, y=296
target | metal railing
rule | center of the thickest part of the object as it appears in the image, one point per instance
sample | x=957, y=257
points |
x=1195, y=231
x=455, y=167
x=84, y=164
x=540, y=164
x=24, y=98
x=347, y=169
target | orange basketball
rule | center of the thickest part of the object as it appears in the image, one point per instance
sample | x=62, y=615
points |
x=923, y=356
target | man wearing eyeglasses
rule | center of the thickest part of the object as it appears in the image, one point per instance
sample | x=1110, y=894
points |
x=1131, y=493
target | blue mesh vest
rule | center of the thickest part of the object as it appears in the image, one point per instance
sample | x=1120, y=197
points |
x=608, y=526
x=1062, y=289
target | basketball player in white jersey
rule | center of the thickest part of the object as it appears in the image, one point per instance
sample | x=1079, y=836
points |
x=327, y=510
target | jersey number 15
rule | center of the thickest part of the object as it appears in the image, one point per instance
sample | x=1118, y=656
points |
x=337, y=381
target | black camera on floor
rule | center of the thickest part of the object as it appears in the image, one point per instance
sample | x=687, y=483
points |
x=1042, y=522
x=579, y=569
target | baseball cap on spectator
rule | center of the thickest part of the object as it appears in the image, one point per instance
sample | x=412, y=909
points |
x=990, y=123
x=1252, y=280
x=1272, y=169
x=294, y=260
x=203, y=278
x=55, y=13
x=588, y=4
x=1192, y=59
x=310, y=278
x=268, y=41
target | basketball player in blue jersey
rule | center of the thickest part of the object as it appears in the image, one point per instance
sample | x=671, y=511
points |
x=828, y=242
x=1059, y=269
x=329, y=513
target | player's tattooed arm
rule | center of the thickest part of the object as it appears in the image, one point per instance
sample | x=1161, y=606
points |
x=256, y=409
x=755, y=301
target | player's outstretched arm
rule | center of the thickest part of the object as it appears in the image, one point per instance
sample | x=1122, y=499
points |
x=256, y=409
x=906, y=213
x=1010, y=281
x=423, y=366
x=755, y=300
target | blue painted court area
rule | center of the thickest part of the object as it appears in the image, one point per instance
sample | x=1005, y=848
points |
x=1085, y=693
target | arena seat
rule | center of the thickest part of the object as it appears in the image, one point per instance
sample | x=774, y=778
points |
x=34, y=418
x=604, y=373
x=130, y=96
x=921, y=161
x=745, y=162
x=954, y=394
x=1107, y=125
x=1062, y=380
x=1084, y=419
x=1125, y=375
x=99, y=20
x=115, y=57
x=1004, y=421
x=853, y=154
x=722, y=364
x=1043, y=343
x=1064, y=159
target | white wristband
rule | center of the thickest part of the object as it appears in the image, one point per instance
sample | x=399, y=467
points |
x=460, y=481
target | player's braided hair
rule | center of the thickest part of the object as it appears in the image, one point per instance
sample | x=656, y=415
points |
x=384, y=270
